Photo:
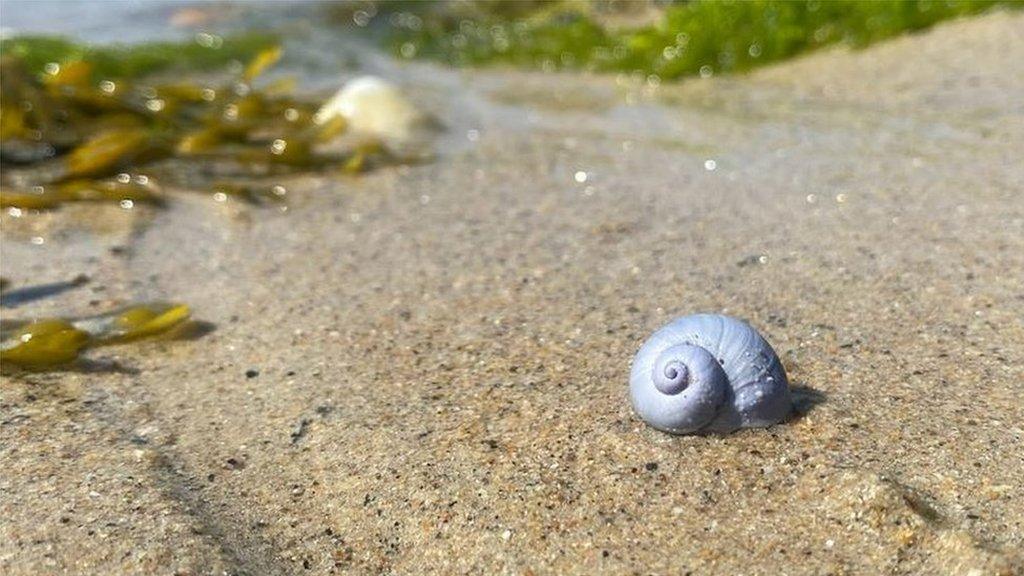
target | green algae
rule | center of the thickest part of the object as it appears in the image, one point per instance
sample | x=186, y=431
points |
x=207, y=52
x=699, y=37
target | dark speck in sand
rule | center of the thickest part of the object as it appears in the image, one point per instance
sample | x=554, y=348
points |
x=748, y=261
x=252, y=373
x=300, y=430
x=651, y=466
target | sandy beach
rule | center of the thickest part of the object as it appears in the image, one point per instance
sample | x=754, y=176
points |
x=423, y=370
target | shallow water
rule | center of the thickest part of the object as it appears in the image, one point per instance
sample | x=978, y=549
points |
x=117, y=21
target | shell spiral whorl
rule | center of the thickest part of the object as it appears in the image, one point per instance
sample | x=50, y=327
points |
x=708, y=373
x=671, y=376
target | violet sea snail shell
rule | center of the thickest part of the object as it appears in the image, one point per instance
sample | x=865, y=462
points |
x=708, y=373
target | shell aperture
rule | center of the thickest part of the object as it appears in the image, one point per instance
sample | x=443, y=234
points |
x=708, y=373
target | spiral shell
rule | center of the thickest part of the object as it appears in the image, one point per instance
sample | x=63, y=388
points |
x=708, y=373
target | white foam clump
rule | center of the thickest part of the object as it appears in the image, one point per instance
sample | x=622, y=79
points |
x=372, y=106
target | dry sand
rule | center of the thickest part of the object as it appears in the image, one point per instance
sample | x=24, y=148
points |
x=442, y=351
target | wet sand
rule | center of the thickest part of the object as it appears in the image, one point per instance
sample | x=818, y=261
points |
x=424, y=370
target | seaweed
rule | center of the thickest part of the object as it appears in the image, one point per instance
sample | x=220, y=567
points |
x=83, y=123
x=53, y=342
x=206, y=52
x=43, y=343
x=685, y=38
x=122, y=189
